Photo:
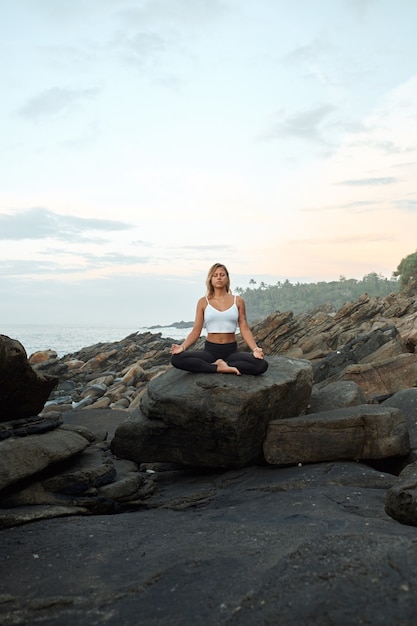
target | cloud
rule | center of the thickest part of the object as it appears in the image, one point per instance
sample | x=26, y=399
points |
x=308, y=125
x=16, y=268
x=72, y=266
x=407, y=204
x=142, y=46
x=40, y=223
x=358, y=182
x=54, y=102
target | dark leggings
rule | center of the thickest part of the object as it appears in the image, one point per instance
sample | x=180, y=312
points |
x=202, y=361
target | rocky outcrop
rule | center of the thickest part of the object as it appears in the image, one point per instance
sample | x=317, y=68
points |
x=360, y=356
x=213, y=421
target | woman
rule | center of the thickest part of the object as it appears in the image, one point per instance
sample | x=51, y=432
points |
x=221, y=313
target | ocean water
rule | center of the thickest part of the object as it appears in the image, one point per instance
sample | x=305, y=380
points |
x=67, y=339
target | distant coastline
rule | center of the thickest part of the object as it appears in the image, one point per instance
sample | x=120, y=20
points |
x=181, y=324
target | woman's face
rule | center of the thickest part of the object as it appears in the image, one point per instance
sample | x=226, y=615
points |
x=219, y=278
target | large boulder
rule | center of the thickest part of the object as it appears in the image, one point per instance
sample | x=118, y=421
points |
x=215, y=420
x=23, y=391
x=384, y=377
x=357, y=432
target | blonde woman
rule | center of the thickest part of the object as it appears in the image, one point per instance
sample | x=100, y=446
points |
x=221, y=313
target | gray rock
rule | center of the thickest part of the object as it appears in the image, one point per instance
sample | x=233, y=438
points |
x=355, y=350
x=30, y=425
x=213, y=421
x=91, y=469
x=358, y=432
x=401, y=499
x=310, y=545
x=406, y=401
x=335, y=395
x=24, y=456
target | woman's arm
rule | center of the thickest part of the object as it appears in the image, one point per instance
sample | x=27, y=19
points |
x=246, y=332
x=195, y=333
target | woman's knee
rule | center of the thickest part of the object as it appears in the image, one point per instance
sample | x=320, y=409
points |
x=177, y=361
x=262, y=366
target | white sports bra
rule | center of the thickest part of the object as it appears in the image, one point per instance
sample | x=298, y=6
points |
x=217, y=321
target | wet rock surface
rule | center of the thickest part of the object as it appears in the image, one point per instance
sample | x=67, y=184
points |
x=302, y=545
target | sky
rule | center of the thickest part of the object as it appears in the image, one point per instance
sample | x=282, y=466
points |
x=144, y=140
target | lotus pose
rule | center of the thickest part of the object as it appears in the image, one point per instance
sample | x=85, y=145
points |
x=221, y=312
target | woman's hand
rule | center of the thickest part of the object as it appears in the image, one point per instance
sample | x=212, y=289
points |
x=176, y=349
x=258, y=353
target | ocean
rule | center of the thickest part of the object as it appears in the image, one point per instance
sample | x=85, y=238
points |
x=67, y=339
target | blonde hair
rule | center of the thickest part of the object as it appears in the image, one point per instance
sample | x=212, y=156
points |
x=209, y=286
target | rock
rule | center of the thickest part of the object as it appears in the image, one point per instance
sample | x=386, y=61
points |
x=406, y=401
x=24, y=456
x=16, y=516
x=41, y=356
x=212, y=421
x=320, y=333
x=23, y=391
x=401, y=498
x=294, y=546
x=133, y=375
x=385, y=377
x=110, y=380
x=91, y=469
x=335, y=395
x=30, y=426
x=98, y=421
x=356, y=350
x=358, y=432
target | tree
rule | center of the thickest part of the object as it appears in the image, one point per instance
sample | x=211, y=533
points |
x=407, y=273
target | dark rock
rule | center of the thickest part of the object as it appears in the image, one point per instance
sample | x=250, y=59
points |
x=213, y=421
x=23, y=391
x=91, y=469
x=401, y=499
x=357, y=432
x=335, y=395
x=406, y=401
x=310, y=545
x=353, y=352
x=25, y=456
x=30, y=426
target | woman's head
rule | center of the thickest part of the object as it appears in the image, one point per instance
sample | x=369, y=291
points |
x=214, y=271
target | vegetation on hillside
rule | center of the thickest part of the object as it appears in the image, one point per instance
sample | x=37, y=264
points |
x=262, y=299
x=407, y=274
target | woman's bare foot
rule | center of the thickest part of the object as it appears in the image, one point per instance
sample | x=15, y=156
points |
x=223, y=368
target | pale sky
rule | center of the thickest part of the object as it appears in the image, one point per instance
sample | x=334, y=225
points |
x=144, y=140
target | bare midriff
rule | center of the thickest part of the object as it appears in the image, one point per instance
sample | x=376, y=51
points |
x=221, y=337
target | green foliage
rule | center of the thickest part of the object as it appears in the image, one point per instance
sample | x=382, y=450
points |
x=262, y=300
x=407, y=273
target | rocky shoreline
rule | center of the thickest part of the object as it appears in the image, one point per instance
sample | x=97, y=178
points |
x=318, y=528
